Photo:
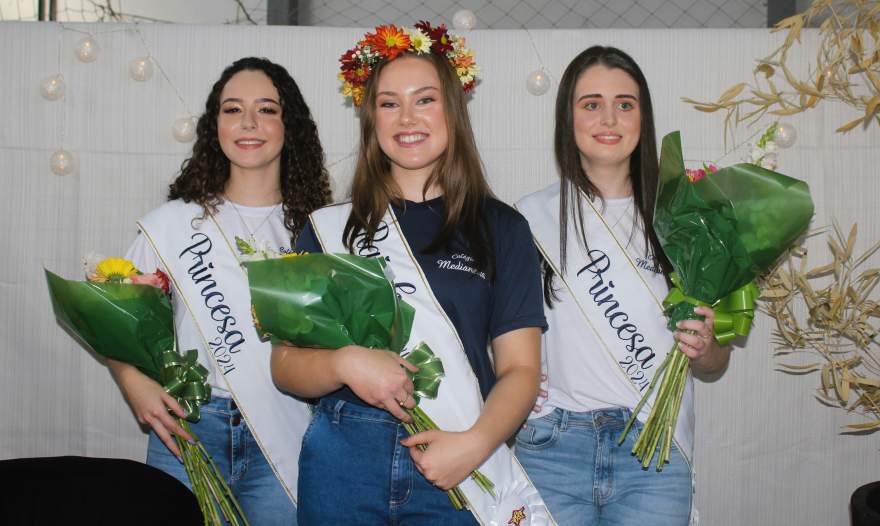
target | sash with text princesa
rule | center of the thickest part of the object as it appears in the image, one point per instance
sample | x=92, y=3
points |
x=459, y=402
x=205, y=271
x=618, y=302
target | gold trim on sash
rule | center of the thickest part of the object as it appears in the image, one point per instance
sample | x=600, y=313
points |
x=217, y=367
x=554, y=264
x=517, y=475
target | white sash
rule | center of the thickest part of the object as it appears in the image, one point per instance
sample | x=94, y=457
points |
x=206, y=273
x=459, y=402
x=615, y=300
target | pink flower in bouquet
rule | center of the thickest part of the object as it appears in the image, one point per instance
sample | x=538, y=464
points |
x=695, y=174
x=157, y=279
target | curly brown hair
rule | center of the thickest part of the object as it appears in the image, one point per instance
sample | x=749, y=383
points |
x=305, y=185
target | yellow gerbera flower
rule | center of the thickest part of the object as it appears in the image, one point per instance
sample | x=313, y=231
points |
x=114, y=270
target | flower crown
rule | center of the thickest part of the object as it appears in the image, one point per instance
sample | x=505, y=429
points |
x=389, y=42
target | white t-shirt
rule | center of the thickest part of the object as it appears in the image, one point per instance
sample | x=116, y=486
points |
x=580, y=378
x=265, y=229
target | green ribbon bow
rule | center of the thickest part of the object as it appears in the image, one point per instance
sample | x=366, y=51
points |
x=186, y=380
x=427, y=379
x=733, y=313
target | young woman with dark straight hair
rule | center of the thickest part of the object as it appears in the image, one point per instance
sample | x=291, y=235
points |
x=604, y=279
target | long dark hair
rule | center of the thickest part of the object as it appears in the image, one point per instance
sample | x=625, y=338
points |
x=643, y=164
x=305, y=185
x=459, y=173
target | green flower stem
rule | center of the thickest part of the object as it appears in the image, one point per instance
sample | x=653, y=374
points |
x=681, y=373
x=422, y=422
x=648, y=431
x=659, y=429
x=644, y=399
x=208, y=484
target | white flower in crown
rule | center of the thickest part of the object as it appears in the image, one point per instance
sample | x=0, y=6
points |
x=419, y=41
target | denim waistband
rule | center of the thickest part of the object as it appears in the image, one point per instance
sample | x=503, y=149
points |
x=338, y=409
x=220, y=404
x=596, y=418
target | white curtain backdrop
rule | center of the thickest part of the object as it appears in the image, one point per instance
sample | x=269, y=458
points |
x=766, y=451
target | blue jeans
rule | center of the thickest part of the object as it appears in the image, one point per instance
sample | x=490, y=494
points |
x=353, y=470
x=226, y=437
x=587, y=479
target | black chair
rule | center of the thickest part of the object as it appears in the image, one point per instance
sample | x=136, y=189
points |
x=81, y=490
x=864, y=506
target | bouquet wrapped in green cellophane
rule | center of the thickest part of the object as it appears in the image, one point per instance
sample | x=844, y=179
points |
x=332, y=300
x=719, y=231
x=123, y=314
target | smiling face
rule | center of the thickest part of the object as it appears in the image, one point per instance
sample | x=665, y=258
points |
x=606, y=117
x=249, y=125
x=410, y=121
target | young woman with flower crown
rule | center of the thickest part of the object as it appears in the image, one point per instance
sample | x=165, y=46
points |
x=466, y=262
x=256, y=172
x=603, y=283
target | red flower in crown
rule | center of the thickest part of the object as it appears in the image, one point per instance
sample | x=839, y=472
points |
x=440, y=41
x=390, y=41
x=348, y=60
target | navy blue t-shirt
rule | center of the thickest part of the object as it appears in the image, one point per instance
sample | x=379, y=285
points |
x=479, y=308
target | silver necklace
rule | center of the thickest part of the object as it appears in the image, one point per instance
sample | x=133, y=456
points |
x=253, y=233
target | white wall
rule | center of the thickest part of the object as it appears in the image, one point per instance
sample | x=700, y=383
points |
x=767, y=452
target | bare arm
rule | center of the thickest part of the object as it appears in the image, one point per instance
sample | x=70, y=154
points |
x=451, y=457
x=150, y=403
x=376, y=376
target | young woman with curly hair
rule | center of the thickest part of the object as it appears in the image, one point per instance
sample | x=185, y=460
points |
x=256, y=172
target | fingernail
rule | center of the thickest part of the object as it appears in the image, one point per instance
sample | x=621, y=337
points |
x=192, y=442
x=179, y=459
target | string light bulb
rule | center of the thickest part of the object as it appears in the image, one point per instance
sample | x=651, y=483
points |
x=538, y=82
x=52, y=88
x=86, y=49
x=141, y=69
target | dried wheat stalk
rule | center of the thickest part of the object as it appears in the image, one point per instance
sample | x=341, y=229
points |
x=839, y=327
x=846, y=69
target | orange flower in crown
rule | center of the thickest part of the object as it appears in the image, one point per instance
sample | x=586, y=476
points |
x=389, y=42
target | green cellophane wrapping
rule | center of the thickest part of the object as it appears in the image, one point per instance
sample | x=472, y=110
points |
x=332, y=300
x=727, y=228
x=125, y=322
x=719, y=233
x=329, y=301
x=134, y=324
